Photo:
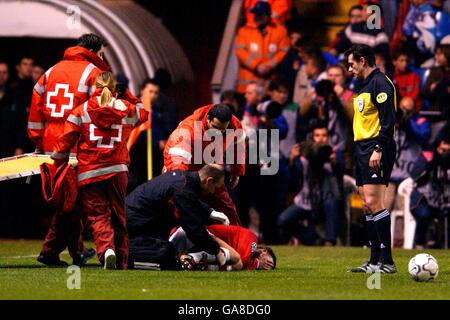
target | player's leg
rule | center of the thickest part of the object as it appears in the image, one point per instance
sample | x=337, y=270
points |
x=374, y=195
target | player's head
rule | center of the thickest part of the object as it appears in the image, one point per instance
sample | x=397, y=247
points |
x=267, y=258
x=360, y=57
x=94, y=43
x=219, y=117
x=106, y=81
x=211, y=177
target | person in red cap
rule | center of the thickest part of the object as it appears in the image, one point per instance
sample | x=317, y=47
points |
x=61, y=88
x=99, y=128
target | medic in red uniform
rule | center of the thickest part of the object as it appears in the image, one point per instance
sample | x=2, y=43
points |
x=100, y=128
x=189, y=142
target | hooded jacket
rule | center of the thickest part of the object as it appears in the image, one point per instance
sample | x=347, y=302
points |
x=100, y=134
x=61, y=88
x=180, y=151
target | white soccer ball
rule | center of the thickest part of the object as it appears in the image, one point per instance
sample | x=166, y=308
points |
x=423, y=267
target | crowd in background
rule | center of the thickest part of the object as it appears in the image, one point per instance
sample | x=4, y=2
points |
x=287, y=82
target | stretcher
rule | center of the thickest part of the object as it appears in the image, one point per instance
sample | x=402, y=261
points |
x=24, y=165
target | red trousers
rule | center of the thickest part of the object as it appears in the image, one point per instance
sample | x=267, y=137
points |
x=65, y=231
x=103, y=206
x=221, y=201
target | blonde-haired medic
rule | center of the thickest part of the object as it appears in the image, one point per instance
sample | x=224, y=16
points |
x=375, y=151
x=99, y=128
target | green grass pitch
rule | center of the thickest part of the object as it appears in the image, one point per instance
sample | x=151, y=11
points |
x=302, y=273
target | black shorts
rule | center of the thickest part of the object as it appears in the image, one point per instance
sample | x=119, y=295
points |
x=363, y=152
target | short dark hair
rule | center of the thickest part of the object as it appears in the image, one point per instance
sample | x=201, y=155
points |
x=163, y=78
x=271, y=253
x=147, y=81
x=356, y=7
x=319, y=125
x=214, y=171
x=220, y=111
x=27, y=57
x=362, y=51
x=92, y=42
x=277, y=84
x=445, y=48
x=4, y=62
x=398, y=53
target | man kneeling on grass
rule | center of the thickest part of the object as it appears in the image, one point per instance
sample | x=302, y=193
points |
x=238, y=243
x=169, y=200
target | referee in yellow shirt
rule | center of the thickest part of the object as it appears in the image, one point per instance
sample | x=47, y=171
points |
x=373, y=129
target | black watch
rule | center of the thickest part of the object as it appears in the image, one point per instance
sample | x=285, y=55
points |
x=378, y=148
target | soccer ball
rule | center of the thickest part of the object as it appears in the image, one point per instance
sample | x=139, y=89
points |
x=423, y=267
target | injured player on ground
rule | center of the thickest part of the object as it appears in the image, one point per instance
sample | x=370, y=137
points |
x=238, y=244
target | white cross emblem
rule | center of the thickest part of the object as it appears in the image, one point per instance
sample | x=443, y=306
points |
x=99, y=138
x=63, y=107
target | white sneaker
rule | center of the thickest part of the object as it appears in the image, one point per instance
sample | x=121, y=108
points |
x=110, y=259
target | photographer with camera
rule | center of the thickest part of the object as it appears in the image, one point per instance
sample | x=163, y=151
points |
x=327, y=109
x=430, y=197
x=314, y=167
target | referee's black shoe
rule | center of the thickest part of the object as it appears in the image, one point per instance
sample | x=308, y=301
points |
x=366, y=267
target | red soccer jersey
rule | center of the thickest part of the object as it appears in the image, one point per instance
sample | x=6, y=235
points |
x=100, y=134
x=240, y=239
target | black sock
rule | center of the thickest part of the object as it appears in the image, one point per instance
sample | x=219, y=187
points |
x=373, y=240
x=382, y=221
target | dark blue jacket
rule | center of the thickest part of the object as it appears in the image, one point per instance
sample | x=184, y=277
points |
x=166, y=201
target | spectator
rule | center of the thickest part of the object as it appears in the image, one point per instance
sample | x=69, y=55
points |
x=437, y=86
x=361, y=33
x=254, y=94
x=341, y=42
x=230, y=98
x=411, y=134
x=23, y=87
x=406, y=81
x=137, y=143
x=315, y=71
x=280, y=10
x=327, y=109
x=290, y=65
x=260, y=48
x=431, y=196
x=270, y=198
x=8, y=115
x=37, y=72
x=425, y=25
x=315, y=170
x=337, y=75
x=165, y=103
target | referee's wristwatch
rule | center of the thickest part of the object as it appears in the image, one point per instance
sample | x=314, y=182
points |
x=378, y=148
